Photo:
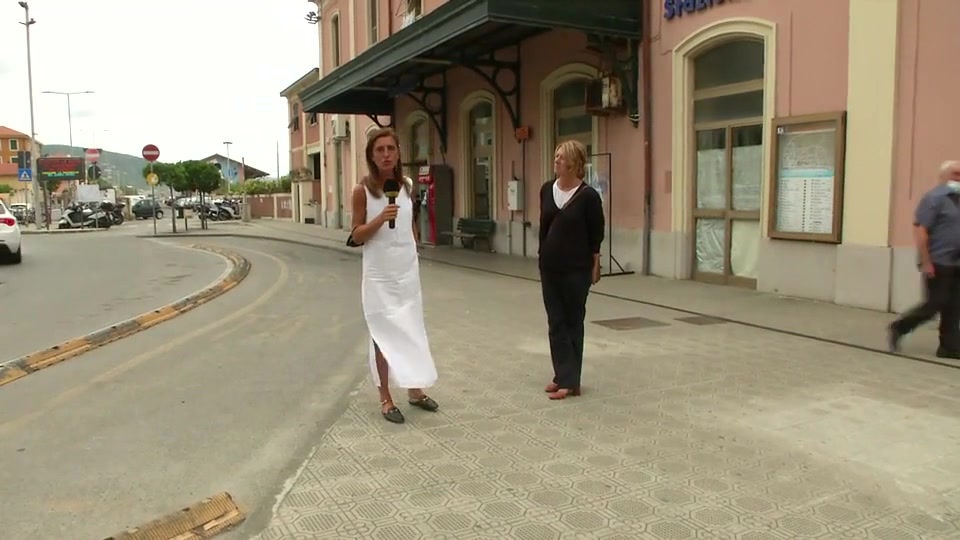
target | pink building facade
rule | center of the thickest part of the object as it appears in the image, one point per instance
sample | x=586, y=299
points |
x=779, y=145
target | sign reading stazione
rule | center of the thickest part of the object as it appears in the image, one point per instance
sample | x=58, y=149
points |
x=679, y=8
x=61, y=168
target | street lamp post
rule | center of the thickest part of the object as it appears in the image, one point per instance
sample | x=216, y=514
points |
x=69, y=111
x=37, y=200
x=229, y=166
x=93, y=133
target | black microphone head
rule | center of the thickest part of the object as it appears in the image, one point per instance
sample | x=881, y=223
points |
x=391, y=188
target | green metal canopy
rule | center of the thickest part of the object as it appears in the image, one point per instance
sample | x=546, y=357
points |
x=468, y=33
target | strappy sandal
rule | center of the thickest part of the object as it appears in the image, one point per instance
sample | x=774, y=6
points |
x=424, y=402
x=392, y=414
x=564, y=393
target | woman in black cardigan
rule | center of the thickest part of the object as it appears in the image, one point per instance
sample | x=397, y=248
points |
x=571, y=231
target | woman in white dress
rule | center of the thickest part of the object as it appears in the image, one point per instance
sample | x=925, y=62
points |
x=391, y=294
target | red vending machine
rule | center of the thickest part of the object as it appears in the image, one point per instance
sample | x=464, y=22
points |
x=435, y=194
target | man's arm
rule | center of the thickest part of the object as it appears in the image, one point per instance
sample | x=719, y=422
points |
x=923, y=220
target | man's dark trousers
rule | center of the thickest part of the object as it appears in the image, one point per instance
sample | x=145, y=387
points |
x=942, y=295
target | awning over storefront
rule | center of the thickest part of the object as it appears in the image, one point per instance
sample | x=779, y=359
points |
x=459, y=33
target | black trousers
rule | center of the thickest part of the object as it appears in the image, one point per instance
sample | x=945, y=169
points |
x=565, y=300
x=942, y=296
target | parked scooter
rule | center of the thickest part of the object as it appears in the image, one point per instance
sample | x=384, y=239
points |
x=224, y=211
x=114, y=211
x=83, y=217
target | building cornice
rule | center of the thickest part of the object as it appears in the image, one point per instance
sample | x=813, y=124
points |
x=303, y=82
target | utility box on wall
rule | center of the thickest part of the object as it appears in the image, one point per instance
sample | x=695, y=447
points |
x=514, y=196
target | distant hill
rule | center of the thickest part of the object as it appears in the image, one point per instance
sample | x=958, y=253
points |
x=118, y=169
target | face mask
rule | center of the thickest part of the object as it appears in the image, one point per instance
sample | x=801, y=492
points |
x=953, y=185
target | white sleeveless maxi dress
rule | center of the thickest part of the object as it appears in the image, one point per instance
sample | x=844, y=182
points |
x=392, y=298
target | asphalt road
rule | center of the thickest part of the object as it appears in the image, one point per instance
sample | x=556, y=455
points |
x=72, y=284
x=230, y=396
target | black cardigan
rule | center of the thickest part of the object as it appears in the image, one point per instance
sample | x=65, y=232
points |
x=569, y=238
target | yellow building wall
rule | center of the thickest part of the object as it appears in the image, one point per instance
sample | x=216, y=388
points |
x=21, y=190
x=7, y=155
x=871, y=101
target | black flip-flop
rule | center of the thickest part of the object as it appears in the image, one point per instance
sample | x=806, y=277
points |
x=425, y=403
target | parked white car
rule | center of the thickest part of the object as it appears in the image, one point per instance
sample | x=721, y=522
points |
x=10, y=246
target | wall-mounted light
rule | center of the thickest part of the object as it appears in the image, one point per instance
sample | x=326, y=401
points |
x=312, y=17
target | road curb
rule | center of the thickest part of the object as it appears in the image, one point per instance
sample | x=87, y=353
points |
x=31, y=363
x=334, y=244
x=61, y=231
x=202, y=520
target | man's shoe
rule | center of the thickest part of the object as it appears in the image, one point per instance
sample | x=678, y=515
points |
x=945, y=353
x=893, y=339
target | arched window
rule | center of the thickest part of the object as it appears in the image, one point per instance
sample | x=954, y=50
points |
x=417, y=149
x=571, y=121
x=481, y=148
x=728, y=101
x=419, y=142
x=335, y=40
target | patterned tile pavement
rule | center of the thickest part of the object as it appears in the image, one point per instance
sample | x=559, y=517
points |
x=685, y=431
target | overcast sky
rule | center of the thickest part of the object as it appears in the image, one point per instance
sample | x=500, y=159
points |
x=185, y=75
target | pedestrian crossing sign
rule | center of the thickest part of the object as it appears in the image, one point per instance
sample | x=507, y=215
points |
x=26, y=175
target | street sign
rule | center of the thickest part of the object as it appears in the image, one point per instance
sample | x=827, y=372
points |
x=92, y=154
x=55, y=168
x=151, y=153
x=153, y=179
x=26, y=175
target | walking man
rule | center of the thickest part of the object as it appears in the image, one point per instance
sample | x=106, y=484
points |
x=937, y=235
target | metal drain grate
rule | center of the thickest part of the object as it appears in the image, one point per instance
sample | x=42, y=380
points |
x=630, y=323
x=701, y=320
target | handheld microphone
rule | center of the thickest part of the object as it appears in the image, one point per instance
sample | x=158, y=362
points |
x=391, y=188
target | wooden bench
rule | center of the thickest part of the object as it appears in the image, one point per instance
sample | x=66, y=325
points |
x=469, y=230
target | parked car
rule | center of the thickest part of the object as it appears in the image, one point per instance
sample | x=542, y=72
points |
x=11, y=248
x=146, y=208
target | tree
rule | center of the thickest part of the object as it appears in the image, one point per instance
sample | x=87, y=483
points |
x=51, y=185
x=265, y=187
x=170, y=175
x=6, y=188
x=201, y=176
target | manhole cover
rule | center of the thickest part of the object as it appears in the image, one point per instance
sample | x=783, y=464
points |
x=630, y=323
x=701, y=320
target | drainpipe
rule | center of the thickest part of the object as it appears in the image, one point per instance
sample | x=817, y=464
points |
x=389, y=18
x=647, y=136
x=322, y=118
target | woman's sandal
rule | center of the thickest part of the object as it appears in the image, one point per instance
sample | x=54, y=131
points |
x=392, y=414
x=563, y=393
x=425, y=403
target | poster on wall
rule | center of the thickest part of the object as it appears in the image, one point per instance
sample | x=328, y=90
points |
x=808, y=175
x=598, y=175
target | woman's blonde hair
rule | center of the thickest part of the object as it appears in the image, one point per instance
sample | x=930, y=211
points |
x=575, y=155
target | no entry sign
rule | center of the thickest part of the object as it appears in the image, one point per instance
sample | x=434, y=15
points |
x=151, y=152
x=93, y=155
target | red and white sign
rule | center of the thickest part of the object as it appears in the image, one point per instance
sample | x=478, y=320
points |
x=93, y=155
x=151, y=153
